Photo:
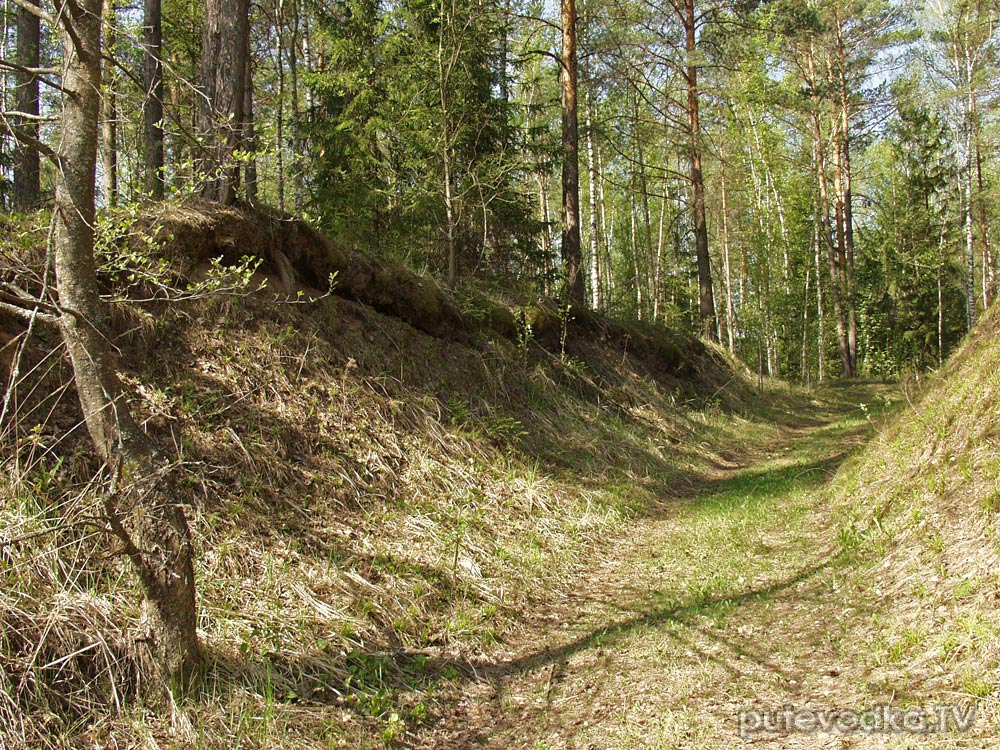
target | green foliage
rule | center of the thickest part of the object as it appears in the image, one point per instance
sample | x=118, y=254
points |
x=907, y=260
x=405, y=88
x=133, y=260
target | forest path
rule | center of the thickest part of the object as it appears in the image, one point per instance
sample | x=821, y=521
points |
x=737, y=597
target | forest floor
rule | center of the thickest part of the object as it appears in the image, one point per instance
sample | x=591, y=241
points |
x=745, y=595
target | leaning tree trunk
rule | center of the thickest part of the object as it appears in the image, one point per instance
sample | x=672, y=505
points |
x=141, y=506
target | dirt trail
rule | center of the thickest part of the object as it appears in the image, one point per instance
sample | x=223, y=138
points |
x=734, y=598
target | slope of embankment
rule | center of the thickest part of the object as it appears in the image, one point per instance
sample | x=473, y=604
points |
x=920, y=508
x=381, y=476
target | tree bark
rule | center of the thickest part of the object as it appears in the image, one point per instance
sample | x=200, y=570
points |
x=596, y=288
x=27, y=167
x=141, y=506
x=293, y=73
x=822, y=221
x=572, y=257
x=846, y=202
x=706, y=300
x=109, y=142
x=223, y=80
x=445, y=69
x=726, y=263
x=152, y=105
x=250, y=135
x=968, y=220
x=820, y=324
x=279, y=115
x=989, y=271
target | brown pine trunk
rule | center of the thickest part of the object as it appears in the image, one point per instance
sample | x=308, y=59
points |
x=823, y=223
x=27, y=172
x=572, y=257
x=141, y=507
x=152, y=105
x=223, y=81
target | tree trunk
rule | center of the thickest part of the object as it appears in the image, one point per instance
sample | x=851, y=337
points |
x=250, y=133
x=279, y=114
x=822, y=220
x=141, y=506
x=607, y=232
x=658, y=260
x=293, y=92
x=968, y=221
x=572, y=257
x=846, y=202
x=223, y=74
x=596, y=289
x=836, y=288
x=444, y=86
x=706, y=300
x=152, y=105
x=726, y=264
x=820, y=320
x=543, y=207
x=27, y=172
x=804, y=367
x=109, y=142
x=989, y=271
x=634, y=243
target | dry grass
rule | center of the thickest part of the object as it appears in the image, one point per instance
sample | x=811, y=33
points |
x=921, y=508
x=374, y=508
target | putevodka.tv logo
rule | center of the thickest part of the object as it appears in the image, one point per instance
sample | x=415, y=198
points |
x=790, y=719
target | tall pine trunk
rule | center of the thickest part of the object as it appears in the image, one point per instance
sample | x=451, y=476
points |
x=823, y=223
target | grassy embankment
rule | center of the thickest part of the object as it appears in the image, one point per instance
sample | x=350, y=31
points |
x=374, y=502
